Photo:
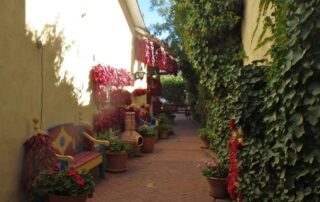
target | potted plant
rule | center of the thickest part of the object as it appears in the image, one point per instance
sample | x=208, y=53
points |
x=164, y=130
x=149, y=138
x=116, y=154
x=171, y=117
x=163, y=118
x=204, y=135
x=64, y=186
x=216, y=173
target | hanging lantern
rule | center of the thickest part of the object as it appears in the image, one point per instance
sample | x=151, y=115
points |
x=139, y=74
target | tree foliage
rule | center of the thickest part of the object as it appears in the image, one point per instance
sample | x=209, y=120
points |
x=173, y=89
x=209, y=32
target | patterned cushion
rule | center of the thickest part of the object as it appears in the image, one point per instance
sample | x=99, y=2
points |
x=65, y=138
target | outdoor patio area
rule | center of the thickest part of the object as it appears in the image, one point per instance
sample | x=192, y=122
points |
x=171, y=173
x=160, y=101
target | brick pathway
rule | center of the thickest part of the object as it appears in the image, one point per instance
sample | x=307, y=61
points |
x=171, y=173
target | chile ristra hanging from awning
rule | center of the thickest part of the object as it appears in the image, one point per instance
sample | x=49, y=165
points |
x=103, y=76
x=145, y=52
x=165, y=62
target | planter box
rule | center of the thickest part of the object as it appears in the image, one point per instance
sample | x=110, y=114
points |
x=148, y=144
x=116, y=161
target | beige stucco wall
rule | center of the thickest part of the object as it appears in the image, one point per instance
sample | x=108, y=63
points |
x=65, y=59
x=249, y=39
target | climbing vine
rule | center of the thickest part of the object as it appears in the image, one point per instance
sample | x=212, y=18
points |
x=209, y=35
x=277, y=105
x=282, y=163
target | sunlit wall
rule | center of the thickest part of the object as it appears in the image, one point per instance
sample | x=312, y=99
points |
x=94, y=31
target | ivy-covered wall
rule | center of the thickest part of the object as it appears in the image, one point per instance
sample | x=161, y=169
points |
x=276, y=103
x=282, y=161
x=209, y=32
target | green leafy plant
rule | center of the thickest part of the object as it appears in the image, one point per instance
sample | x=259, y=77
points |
x=204, y=133
x=146, y=131
x=115, y=143
x=280, y=162
x=173, y=89
x=118, y=145
x=163, y=118
x=216, y=169
x=66, y=182
x=165, y=127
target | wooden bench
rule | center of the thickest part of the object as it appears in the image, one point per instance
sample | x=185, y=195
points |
x=75, y=147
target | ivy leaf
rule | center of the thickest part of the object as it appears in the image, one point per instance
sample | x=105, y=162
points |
x=305, y=31
x=299, y=132
x=302, y=173
x=309, y=101
x=309, y=158
x=292, y=24
x=307, y=75
x=300, y=196
x=298, y=55
x=314, y=88
x=297, y=119
x=313, y=114
x=306, y=15
x=292, y=158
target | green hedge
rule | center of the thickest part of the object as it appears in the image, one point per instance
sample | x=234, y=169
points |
x=173, y=89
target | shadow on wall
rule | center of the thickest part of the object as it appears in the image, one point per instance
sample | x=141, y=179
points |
x=29, y=76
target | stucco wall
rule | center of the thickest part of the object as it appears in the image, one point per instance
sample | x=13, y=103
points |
x=59, y=70
x=249, y=39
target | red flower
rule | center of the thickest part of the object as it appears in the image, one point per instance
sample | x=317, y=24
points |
x=79, y=180
x=72, y=173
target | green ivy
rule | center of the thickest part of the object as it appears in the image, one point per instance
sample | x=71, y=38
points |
x=282, y=162
x=209, y=32
x=277, y=105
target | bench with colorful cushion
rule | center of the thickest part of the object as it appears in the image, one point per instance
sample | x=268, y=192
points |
x=75, y=147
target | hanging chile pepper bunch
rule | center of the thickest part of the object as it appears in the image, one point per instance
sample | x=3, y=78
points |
x=144, y=50
x=99, y=79
x=166, y=62
x=234, y=144
x=120, y=116
x=104, y=120
x=103, y=76
x=120, y=97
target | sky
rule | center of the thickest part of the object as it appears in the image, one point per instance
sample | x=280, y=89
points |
x=150, y=17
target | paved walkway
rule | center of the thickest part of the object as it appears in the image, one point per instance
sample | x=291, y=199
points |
x=170, y=174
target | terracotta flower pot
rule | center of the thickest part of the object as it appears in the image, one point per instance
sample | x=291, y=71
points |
x=133, y=151
x=148, y=144
x=205, y=143
x=116, y=161
x=163, y=135
x=56, y=198
x=218, y=187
